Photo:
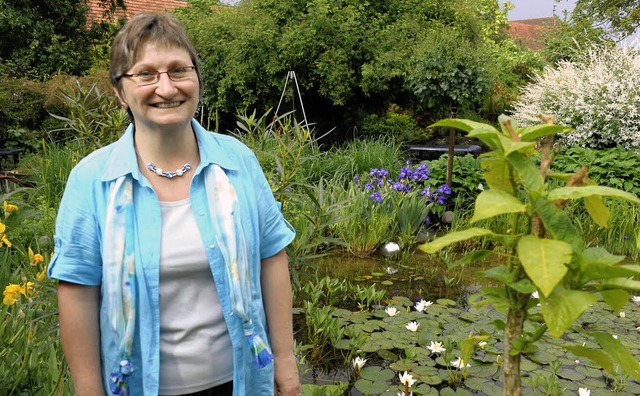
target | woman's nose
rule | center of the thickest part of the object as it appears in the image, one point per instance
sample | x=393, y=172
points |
x=166, y=87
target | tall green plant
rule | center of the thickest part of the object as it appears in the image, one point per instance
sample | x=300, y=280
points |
x=95, y=118
x=545, y=252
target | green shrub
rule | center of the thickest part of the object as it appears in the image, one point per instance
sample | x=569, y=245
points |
x=466, y=180
x=21, y=112
x=615, y=167
x=400, y=126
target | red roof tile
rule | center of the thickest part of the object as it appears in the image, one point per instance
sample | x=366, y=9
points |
x=133, y=7
x=529, y=32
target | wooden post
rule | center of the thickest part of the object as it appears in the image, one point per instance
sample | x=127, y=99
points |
x=452, y=143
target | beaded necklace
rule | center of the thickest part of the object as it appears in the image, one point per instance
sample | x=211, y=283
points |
x=169, y=174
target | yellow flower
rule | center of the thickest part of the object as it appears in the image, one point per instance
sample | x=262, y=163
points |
x=35, y=259
x=41, y=275
x=11, y=294
x=27, y=288
x=8, y=208
x=3, y=236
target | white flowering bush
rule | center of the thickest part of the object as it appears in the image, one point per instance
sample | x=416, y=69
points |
x=598, y=95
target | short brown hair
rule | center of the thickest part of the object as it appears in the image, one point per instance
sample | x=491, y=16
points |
x=142, y=29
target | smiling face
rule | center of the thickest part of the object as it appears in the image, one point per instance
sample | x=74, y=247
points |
x=167, y=103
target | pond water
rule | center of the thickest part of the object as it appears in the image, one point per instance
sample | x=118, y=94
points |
x=416, y=277
x=390, y=348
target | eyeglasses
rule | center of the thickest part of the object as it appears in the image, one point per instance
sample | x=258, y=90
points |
x=149, y=77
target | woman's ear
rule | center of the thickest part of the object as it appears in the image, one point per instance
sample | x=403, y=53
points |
x=120, y=96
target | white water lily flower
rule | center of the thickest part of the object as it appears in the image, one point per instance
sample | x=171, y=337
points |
x=413, y=326
x=482, y=344
x=622, y=315
x=459, y=363
x=422, y=305
x=635, y=299
x=614, y=336
x=584, y=392
x=406, y=379
x=480, y=187
x=419, y=306
x=535, y=294
x=391, y=311
x=436, y=347
x=358, y=363
x=402, y=394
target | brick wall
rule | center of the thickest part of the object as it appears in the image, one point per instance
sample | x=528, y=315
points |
x=133, y=7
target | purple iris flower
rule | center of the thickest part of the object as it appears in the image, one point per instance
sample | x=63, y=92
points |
x=376, y=197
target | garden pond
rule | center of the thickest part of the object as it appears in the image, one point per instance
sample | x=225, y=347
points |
x=339, y=317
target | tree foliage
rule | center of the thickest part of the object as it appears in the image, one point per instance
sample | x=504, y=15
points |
x=570, y=39
x=42, y=38
x=620, y=17
x=351, y=57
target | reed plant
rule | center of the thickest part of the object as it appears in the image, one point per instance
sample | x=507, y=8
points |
x=357, y=157
x=366, y=224
x=94, y=118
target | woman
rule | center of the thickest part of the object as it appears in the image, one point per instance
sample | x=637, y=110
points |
x=171, y=282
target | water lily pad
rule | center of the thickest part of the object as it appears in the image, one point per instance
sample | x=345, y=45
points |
x=423, y=371
x=589, y=371
x=570, y=374
x=376, y=373
x=387, y=355
x=362, y=327
x=475, y=383
x=446, y=301
x=403, y=365
x=386, y=282
x=368, y=387
x=527, y=365
x=343, y=344
x=458, y=392
x=431, y=380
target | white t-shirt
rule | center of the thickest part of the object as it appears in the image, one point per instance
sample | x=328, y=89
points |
x=195, y=347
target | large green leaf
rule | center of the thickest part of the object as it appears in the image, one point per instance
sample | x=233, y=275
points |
x=563, y=307
x=597, y=356
x=558, y=224
x=491, y=203
x=528, y=173
x=497, y=175
x=587, y=191
x=597, y=263
x=503, y=274
x=619, y=353
x=615, y=298
x=621, y=283
x=509, y=146
x=544, y=260
x=597, y=210
x=465, y=125
x=488, y=137
x=453, y=237
x=532, y=133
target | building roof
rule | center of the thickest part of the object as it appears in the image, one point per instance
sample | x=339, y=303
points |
x=529, y=32
x=96, y=13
